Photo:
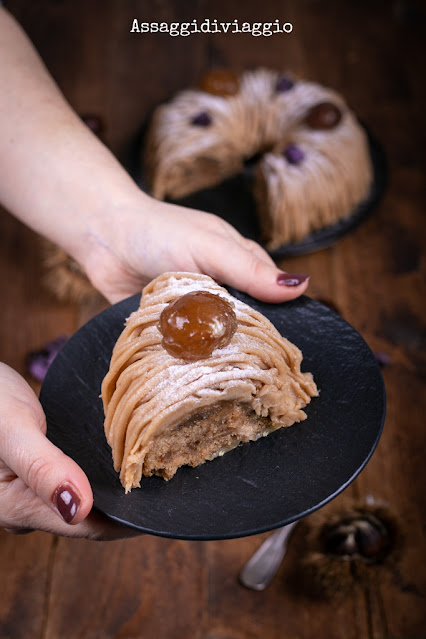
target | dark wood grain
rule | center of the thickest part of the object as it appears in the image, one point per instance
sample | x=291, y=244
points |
x=374, y=53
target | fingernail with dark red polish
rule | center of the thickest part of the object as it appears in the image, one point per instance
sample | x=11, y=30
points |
x=67, y=502
x=291, y=279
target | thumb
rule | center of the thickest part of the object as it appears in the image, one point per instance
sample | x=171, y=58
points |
x=51, y=475
x=55, y=478
x=249, y=268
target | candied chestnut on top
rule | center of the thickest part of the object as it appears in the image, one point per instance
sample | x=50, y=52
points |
x=221, y=82
x=324, y=115
x=197, y=323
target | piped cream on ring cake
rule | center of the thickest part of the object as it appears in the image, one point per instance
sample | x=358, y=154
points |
x=195, y=373
x=314, y=166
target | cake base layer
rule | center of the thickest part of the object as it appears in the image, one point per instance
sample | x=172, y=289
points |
x=203, y=436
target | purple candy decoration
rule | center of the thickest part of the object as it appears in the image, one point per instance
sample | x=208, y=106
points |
x=383, y=359
x=284, y=84
x=39, y=361
x=202, y=119
x=94, y=122
x=294, y=154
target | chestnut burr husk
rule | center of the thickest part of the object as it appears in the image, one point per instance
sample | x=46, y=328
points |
x=359, y=545
x=63, y=277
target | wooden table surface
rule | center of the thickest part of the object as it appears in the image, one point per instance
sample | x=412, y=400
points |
x=373, y=52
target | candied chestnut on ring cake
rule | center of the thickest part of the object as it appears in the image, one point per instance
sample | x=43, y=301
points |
x=195, y=373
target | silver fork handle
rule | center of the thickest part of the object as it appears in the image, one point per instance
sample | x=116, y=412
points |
x=259, y=571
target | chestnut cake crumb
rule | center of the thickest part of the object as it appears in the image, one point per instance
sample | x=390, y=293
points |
x=206, y=434
x=226, y=377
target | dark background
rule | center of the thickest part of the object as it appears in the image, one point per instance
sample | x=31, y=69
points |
x=373, y=52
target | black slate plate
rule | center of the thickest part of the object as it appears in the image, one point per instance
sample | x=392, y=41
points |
x=256, y=487
x=233, y=201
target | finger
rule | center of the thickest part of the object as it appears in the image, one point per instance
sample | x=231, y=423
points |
x=28, y=513
x=252, y=271
x=52, y=476
x=256, y=249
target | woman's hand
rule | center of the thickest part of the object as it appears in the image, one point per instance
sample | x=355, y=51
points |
x=134, y=244
x=40, y=487
x=59, y=179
